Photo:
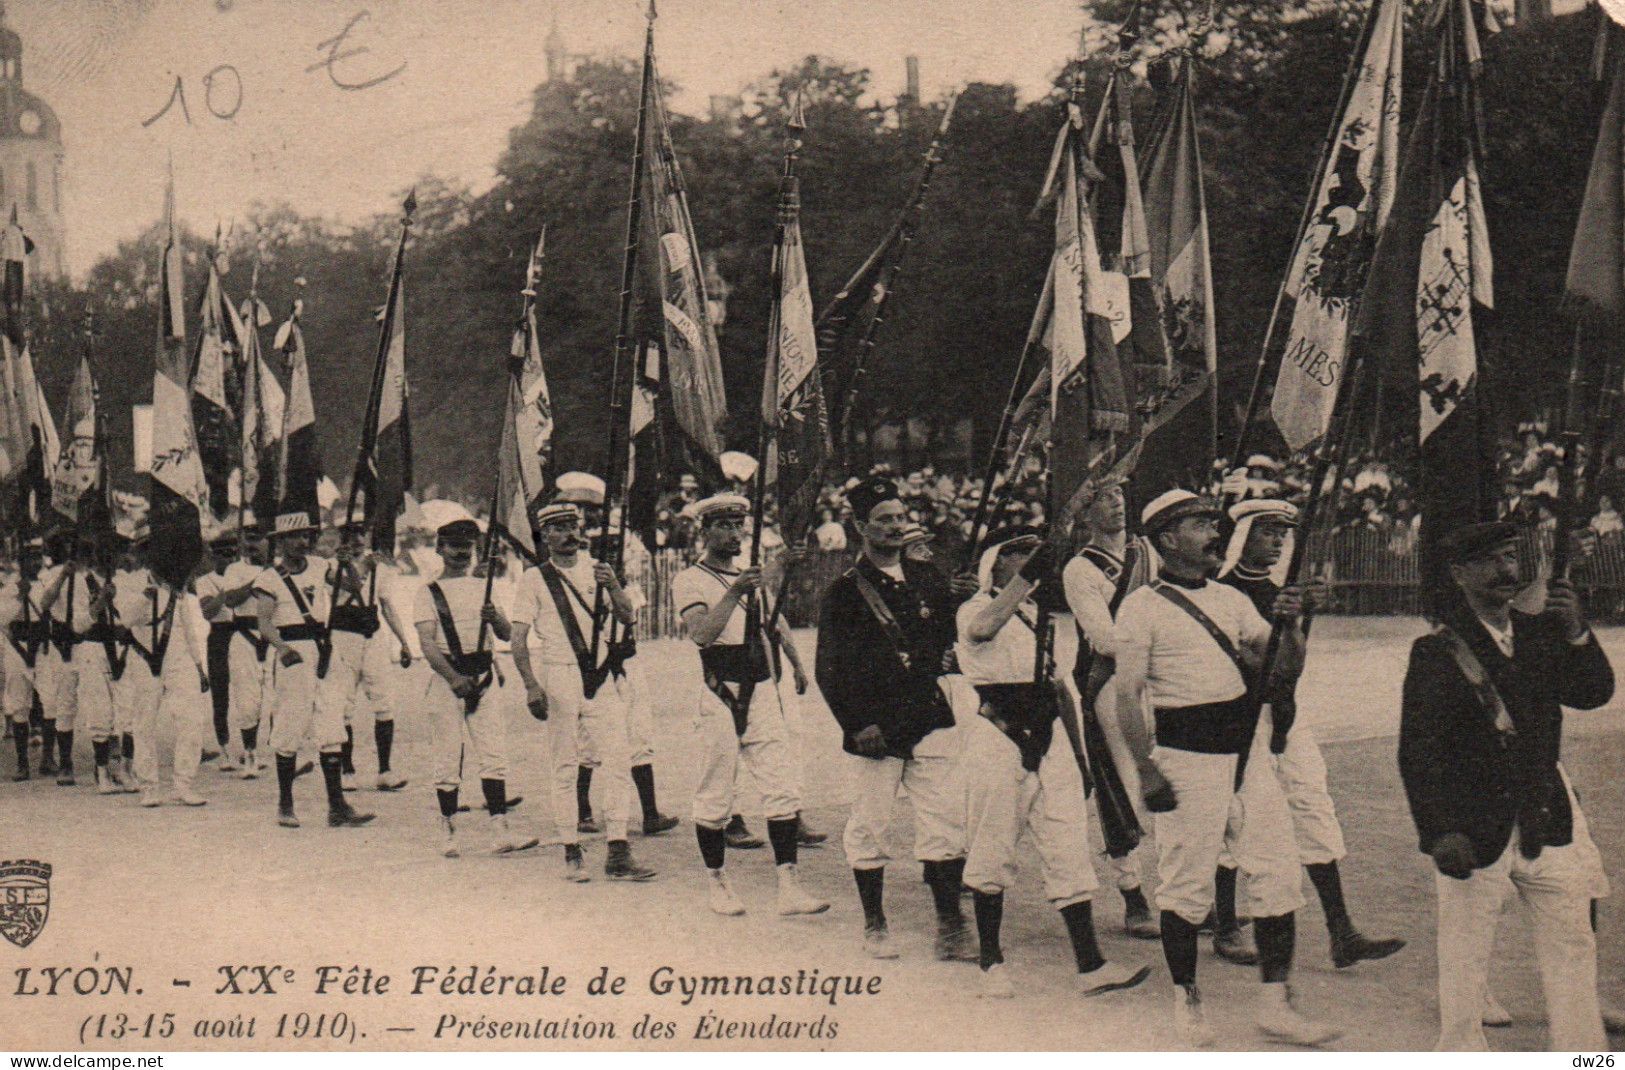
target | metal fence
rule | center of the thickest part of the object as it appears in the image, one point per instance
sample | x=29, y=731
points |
x=1371, y=572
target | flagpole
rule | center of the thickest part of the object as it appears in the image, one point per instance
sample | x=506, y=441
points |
x=375, y=394
x=768, y=431
x=250, y=374
x=618, y=456
x=903, y=230
x=515, y=365
x=1255, y=393
x=1569, y=435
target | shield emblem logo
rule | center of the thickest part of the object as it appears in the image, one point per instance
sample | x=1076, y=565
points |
x=25, y=899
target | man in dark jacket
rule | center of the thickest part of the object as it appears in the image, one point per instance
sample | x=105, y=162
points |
x=884, y=636
x=1478, y=751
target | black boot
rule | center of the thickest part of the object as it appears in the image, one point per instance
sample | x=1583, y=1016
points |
x=19, y=741
x=47, y=756
x=654, y=822
x=64, y=748
x=340, y=814
x=285, y=766
x=739, y=835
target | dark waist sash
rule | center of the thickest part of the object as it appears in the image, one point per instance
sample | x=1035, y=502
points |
x=1025, y=713
x=742, y=665
x=362, y=620
x=1212, y=728
x=309, y=633
x=248, y=628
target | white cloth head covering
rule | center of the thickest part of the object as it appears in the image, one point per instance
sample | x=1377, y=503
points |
x=579, y=487
x=718, y=505
x=1245, y=514
x=990, y=556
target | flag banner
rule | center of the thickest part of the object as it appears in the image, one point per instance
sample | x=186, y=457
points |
x=793, y=392
x=1090, y=409
x=263, y=407
x=388, y=475
x=213, y=414
x=1179, y=438
x=527, y=436
x=78, y=469
x=40, y=437
x=299, y=466
x=675, y=282
x=180, y=495
x=1431, y=282
x=1596, y=273
x=1353, y=196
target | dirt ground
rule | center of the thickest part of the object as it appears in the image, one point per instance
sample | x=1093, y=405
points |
x=177, y=894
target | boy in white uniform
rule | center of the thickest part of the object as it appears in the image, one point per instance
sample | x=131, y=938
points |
x=741, y=707
x=553, y=616
x=20, y=616
x=229, y=603
x=182, y=700
x=293, y=603
x=362, y=652
x=452, y=616
x=137, y=614
x=1020, y=773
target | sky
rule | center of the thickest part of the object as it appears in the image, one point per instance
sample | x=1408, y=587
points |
x=335, y=106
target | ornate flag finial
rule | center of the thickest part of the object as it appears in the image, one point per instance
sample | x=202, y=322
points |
x=798, y=115
x=651, y=14
x=410, y=206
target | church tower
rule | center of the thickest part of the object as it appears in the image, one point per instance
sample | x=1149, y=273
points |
x=30, y=160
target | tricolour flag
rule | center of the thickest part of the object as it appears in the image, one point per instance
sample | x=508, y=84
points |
x=1431, y=283
x=1353, y=196
x=1090, y=406
x=1180, y=434
x=263, y=408
x=675, y=286
x=180, y=495
x=793, y=408
x=299, y=468
x=78, y=471
x=1596, y=274
x=213, y=413
x=527, y=422
x=384, y=468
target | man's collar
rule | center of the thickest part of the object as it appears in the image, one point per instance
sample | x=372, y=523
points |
x=1181, y=581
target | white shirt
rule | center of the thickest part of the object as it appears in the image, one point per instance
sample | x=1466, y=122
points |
x=1089, y=595
x=465, y=595
x=313, y=584
x=1010, y=657
x=1185, y=666
x=534, y=606
x=133, y=607
x=701, y=585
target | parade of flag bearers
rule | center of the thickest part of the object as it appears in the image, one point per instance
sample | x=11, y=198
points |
x=1262, y=625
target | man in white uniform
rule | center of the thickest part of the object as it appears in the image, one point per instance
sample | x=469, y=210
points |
x=228, y=601
x=1020, y=774
x=565, y=686
x=74, y=681
x=137, y=614
x=20, y=616
x=1095, y=582
x=209, y=585
x=362, y=652
x=182, y=705
x=1181, y=640
x=741, y=707
x=454, y=622
x=293, y=602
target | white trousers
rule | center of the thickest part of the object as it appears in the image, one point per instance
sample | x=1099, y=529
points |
x=455, y=735
x=1302, y=770
x=935, y=783
x=357, y=675
x=19, y=685
x=58, y=686
x=181, y=707
x=634, y=689
x=250, y=681
x=603, y=718
x=1557, y=888
x=765, y=752
x=134, y=695
x=93, y=688
x=1004, y=800
x=1253, y=826
x=300, y=717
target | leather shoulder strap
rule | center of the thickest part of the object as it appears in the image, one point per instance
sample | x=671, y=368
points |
x=1183, y=601
x=567, y=616
x=883, y=616
x=448, y=626
x=299, y=602
x=1473, y=669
